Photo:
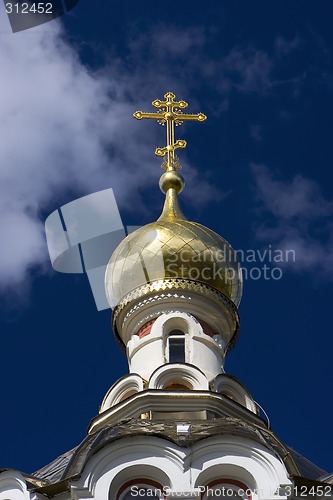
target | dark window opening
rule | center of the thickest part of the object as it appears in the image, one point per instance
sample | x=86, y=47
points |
x=176, y=346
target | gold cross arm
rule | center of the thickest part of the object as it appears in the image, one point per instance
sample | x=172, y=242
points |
x=163, y=117
x=170, y=113
x=180, y=143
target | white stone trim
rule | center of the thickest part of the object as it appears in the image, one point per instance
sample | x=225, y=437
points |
x=147, y=354
x=138, y=456
x=222, y=313
x=141, y=475
x=178, y=373
x=124, y=388
x=173, y=401
x=182, y=469
x=13, y=486
x=242, y=459
x=231, y=387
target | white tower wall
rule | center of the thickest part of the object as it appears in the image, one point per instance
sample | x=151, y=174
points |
x=147, y=354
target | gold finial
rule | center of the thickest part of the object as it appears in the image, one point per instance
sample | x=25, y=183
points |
x=170, y=113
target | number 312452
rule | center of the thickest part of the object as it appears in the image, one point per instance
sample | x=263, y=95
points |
x=25, y=8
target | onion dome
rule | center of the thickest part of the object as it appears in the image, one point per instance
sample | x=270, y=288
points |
x=173, y=254
x=172, y=249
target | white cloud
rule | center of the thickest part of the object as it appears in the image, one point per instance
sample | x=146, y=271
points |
x=163, y=42
x=301, y=197
x=294, y=215
x=50, y=107
x=249, y=69
x=245, y=68
x=256, y=132
x=66, y=129
x=284, y=47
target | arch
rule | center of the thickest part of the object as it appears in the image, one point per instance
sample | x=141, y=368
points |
x=227, y=488
x=240, y=459
x=177, y=321
x=161, y=346
x=175, y=332
x=219, y=473
x=176, y=346
x=129, y=458
x=178, y=374
x=229, y=386
x=123, y=389
x=138, y=476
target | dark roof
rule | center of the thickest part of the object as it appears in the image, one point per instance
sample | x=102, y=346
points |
x=54, y=471
x=327, y=479
x=307, y=469
x=71, y=464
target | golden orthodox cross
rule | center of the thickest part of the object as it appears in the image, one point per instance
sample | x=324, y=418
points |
x=170, y=113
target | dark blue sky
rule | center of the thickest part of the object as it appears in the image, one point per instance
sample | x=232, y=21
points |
x=258, y=172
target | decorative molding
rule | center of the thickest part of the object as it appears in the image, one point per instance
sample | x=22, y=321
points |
x=179, y=374
x=232, y=388
x=172, y=401
x=241, y=459
x=128, y=385
x=185, y=470
x=171, y=284
x=198, y=299
x=13, y=486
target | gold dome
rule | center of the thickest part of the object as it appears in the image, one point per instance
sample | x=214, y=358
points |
x=171, y=250
x=172, y=253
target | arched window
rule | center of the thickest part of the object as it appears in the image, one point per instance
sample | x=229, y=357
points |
x=176, y=346
x=227, y=488
x=141, y=488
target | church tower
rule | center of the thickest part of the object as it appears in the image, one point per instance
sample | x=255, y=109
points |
x=177, y=426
